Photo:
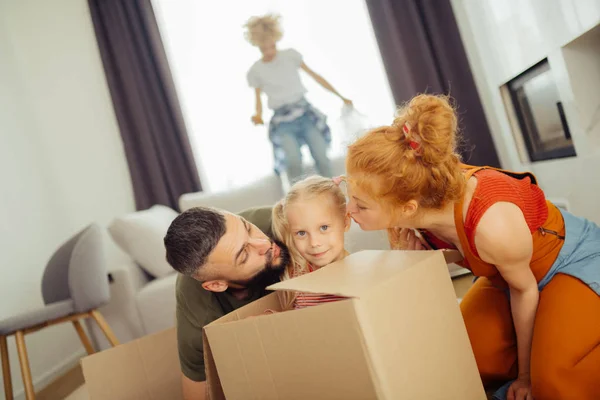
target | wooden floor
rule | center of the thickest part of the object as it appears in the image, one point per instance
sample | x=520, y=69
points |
x=62, y=386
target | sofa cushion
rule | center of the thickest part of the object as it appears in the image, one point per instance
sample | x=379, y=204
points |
x=140, y=234
x=357, y=240
x=156, y=304
x=263, y=192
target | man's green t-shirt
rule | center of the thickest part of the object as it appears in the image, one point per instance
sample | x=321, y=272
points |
x=197, y=307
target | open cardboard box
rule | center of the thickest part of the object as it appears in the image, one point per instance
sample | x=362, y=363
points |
x=146, y=368
x=400, y=335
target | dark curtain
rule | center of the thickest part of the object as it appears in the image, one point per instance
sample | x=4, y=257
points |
x=156, y=144
x=422, y=52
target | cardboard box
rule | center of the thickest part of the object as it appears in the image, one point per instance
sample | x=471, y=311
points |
x=146, y=368
x=400, y=335
x=414, y=345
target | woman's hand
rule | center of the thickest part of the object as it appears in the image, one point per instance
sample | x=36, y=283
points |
x=406, y=239
x=520, y=389
x=347, y=102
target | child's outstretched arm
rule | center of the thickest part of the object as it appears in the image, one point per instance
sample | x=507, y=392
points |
x=324, y=83
x=257, y=118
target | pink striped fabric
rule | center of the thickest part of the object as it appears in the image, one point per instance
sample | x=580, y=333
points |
x=304, y=299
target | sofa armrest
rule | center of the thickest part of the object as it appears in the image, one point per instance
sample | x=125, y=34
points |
x=156, y=303
x=121, y=313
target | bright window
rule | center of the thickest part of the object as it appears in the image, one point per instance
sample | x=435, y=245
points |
x=209, y=59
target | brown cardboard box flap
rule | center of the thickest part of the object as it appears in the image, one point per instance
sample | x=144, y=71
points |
x=267, y=357
x=147, y=368
x=452, y=256
x=355, y=275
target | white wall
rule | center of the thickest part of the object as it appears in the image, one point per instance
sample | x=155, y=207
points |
x=504, y=38
x=62, y=164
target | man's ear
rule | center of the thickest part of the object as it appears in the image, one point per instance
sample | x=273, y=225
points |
x=215, y=286
x=347, y=222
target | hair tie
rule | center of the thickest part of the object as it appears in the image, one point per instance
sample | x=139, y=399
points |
x=338, y=179
x=415, y=145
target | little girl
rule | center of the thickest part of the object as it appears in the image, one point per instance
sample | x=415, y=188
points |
x=311, y=220
x=295, y=121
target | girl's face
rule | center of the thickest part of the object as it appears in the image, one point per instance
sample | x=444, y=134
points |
x=317, y=227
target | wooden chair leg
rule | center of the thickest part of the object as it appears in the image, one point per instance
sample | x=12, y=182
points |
x=112, y=339
x=25, y=370
x=8, y=393
x=83, y=337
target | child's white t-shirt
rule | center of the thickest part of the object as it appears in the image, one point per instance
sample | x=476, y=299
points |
x=279, y=78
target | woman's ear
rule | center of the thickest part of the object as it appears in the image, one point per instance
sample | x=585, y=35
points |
x=215, y=286
x=410, y=208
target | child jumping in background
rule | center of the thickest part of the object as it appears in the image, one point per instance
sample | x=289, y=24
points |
x=311, y=220
x=295, y=121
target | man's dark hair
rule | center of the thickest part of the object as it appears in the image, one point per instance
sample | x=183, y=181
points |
x=192, y=236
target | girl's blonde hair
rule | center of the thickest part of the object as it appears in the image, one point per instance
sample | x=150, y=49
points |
x=414, y=158
x=310, y=187
x=262, y=29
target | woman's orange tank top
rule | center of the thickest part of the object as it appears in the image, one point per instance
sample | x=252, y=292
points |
x=543, y=218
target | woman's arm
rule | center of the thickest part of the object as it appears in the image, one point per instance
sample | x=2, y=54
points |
x=503, y=238
x=321, y=81
x=257, y=117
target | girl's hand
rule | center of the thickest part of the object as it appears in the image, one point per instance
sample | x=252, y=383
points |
x=520, y=390
x=347, y=102
x=257, y=120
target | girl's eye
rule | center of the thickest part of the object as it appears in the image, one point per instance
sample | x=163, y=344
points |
x=362, y=208
x=324, y=228
x=301, y=233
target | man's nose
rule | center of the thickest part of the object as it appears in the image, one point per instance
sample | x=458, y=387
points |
x=260, y=244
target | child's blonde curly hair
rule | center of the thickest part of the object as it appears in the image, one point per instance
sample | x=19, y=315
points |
x=263, y=29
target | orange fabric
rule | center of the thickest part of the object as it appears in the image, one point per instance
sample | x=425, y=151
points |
x=520, y=189
x=565, y=355
x=486, y=311
x=493, y=187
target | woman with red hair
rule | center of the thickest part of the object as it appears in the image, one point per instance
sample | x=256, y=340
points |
x=533, y=314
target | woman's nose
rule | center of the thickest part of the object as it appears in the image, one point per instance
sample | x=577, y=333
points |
x=350, y=207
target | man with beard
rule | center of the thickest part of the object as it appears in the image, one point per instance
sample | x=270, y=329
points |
x=225, y=261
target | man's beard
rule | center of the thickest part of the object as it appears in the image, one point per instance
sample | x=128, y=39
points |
x=271, y=273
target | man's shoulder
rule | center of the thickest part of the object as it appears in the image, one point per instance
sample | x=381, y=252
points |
x=195, y=302
x=259, y=216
